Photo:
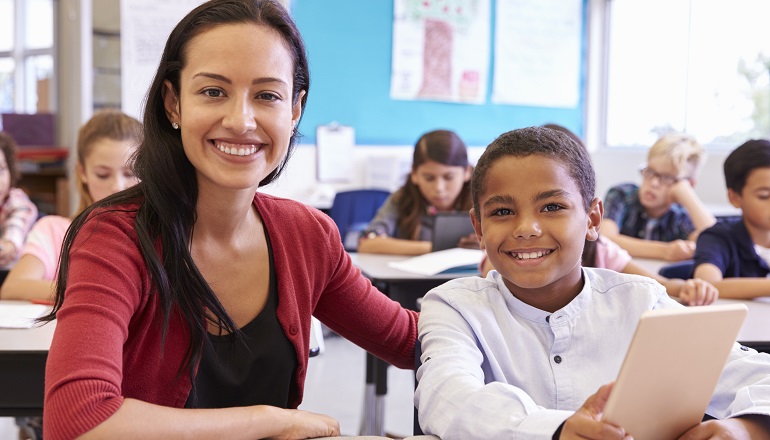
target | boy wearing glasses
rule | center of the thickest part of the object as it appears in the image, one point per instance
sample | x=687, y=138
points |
x=661, y=218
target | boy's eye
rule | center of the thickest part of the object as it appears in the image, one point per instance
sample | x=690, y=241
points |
x=551, y=207
x=502, y=212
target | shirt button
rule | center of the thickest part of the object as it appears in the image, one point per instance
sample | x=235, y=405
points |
x=548, y=318
x=557, y=359
x=744, y=348
x=293, y=330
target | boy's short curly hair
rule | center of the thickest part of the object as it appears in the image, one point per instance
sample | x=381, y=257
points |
x=537, y=140
x=749, y=156
x=9, y=148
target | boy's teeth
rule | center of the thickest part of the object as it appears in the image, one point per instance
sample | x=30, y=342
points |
x=530, y=255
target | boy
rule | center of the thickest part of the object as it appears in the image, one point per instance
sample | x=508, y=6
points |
x=661, y=218
x=521, y=353
x=733, y=255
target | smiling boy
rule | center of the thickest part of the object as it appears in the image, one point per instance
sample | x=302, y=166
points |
x=522, y=352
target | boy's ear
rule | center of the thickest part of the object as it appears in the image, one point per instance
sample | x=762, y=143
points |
x=477, y=227
x=734, y=198
x=595, y=214
x=170, y=102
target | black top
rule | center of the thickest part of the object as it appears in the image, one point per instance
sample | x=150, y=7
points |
x=257, y=371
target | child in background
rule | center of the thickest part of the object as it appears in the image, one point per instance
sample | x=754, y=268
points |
x=539, y=336
x=105, y=144
x=17, y=212
x=439, y=182
x=662, y=217
x=735, y=254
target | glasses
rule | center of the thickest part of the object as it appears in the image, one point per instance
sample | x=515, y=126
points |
x=664, y=179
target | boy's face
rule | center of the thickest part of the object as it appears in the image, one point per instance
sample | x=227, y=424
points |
x=754, y=201
x=657, y=179
x=533, y=226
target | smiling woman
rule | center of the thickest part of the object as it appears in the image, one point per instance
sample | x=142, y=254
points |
x=194, y=291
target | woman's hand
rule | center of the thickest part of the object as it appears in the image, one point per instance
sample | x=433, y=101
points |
x=470, y=241
x=298, y=424
x=7, y=252
x=698, y=292
x=587, y=423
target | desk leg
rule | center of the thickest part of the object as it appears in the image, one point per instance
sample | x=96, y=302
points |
x=374, y=396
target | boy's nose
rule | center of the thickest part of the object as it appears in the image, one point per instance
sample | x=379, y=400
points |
x=527, y=228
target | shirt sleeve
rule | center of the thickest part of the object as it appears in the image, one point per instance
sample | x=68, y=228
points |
x=44, y=242
x=744, y=386
x=21, y=215
x=385, y=221
x=452, y=398
x=615, y=205
x=714, y=248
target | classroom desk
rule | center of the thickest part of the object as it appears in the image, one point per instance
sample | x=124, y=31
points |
x=23, y=353
x=405, y=288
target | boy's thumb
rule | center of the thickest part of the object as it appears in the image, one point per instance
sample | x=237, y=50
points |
x=595, y=404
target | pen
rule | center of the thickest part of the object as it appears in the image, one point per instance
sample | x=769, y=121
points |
x=44, y=302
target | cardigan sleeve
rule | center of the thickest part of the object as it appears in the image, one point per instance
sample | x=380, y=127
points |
x=84, y=369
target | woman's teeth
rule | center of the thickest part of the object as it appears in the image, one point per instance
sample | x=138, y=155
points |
x=236, y=149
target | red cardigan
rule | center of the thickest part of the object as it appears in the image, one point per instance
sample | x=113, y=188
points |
x=107, y=345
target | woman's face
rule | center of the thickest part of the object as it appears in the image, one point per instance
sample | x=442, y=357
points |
x=106, y=169
x=440, y=184
x=234, y=108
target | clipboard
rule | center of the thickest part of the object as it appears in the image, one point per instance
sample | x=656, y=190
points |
x=334, y=152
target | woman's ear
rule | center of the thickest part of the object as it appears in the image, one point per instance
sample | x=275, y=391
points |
x=468, y=173
x=595, y=214
x=296, y=110
x=170, y=102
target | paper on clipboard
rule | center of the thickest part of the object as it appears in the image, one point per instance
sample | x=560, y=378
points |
x=334, y=152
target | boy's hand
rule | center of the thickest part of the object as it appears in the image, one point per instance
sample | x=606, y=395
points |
x=679, y=250
x=698, y=292
x=7, y=252
x=680, y=191
x=753, y=427
x=586, y=422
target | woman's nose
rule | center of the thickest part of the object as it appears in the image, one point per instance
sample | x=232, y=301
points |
x=241, y=117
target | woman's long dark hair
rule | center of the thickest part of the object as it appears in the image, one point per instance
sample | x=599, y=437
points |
x=441, y=146
x=167, y=193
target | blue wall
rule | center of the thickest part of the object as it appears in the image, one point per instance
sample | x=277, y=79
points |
x=349, y=46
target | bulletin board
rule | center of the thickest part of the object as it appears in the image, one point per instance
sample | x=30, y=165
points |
x=349, y=44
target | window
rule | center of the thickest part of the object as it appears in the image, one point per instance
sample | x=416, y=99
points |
x=698, y=66
x=26, y=56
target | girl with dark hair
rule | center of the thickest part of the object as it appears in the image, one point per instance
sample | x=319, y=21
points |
x=192, y=289
x=439, y=182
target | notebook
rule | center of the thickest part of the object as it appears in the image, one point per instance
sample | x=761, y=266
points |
x=671, y=369
x=447, y=228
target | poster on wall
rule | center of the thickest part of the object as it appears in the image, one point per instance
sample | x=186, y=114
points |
x=144, y=29
x=440, y=50
x=537, y=52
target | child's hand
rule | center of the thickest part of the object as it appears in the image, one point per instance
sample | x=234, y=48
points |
x=698, y=292
x=7, y=252
x=679, y=250
x=298, y=424
x=753, y=427
x=470, y=241
x=680, y=191
x=586, y=422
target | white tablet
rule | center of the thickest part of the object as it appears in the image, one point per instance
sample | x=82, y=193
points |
x=671, y=369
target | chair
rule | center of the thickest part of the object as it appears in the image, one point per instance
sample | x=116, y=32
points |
x=682, y=270
x=352, y=211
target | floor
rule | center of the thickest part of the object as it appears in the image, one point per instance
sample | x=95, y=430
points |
x=335, y=386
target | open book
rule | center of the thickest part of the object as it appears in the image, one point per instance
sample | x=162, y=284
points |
x=456, y=260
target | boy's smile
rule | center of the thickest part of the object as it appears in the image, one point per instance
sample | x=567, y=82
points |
x=533, y=226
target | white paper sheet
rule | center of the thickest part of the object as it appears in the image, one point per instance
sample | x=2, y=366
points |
x=334, y=146
x=440, y=261
x=21, y=315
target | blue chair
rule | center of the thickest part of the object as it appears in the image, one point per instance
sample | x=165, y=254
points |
x=352, y=211
x=682, y=270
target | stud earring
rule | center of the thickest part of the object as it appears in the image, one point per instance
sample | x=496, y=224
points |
x=175, y=125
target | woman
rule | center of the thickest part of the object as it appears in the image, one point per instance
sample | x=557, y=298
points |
x=188, y=289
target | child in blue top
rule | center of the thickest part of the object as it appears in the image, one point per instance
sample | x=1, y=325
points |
x=522, y=353
x=734, y=255
x=662, y=217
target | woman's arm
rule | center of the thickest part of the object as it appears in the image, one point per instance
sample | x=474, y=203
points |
x=393, y=246
x=25, y=281
x=137, y=419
